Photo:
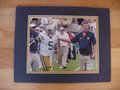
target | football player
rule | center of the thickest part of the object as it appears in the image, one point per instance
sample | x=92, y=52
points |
x=48, y=43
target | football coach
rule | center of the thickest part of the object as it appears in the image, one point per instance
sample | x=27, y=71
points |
x=87, y=47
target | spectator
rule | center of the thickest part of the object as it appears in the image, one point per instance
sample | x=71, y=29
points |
x=64, y=46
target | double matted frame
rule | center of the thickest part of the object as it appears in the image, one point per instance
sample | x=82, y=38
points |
x=102, y=70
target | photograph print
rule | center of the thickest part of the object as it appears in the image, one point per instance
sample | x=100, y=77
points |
x=62, y=44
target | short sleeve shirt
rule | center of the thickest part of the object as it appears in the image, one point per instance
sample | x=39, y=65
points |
x=85, y=42
x=64, y=36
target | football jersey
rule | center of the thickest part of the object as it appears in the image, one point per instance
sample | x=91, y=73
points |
x=47, y=44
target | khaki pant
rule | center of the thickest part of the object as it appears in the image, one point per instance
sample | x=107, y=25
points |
x=86, y=63
x=63, y=55
x=34, y=62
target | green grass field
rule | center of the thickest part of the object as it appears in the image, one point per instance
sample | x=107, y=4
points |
x=72, y=65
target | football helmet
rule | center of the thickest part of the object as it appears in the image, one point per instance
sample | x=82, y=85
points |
x=50, y=30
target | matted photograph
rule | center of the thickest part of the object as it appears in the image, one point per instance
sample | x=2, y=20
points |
x=62, y=44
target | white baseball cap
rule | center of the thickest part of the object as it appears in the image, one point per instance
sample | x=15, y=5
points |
x=32, y=25
x=62, y=28
x=37, y=28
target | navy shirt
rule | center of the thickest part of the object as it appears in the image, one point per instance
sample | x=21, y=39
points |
x=34, y=45
x=85, y=42
x=33, y=34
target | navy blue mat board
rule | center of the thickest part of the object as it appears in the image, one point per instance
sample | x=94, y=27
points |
x=21, y=45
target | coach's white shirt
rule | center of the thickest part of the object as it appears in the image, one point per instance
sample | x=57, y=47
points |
x=64, y=36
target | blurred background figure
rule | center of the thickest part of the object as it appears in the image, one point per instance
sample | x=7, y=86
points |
x=34, y=21
x=35, y=63
x=72, y=51
x=64, y=46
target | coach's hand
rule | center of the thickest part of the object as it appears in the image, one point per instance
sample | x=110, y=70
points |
x=93, y=55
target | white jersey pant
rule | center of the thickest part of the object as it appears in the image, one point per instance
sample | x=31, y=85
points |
x=47, y=62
